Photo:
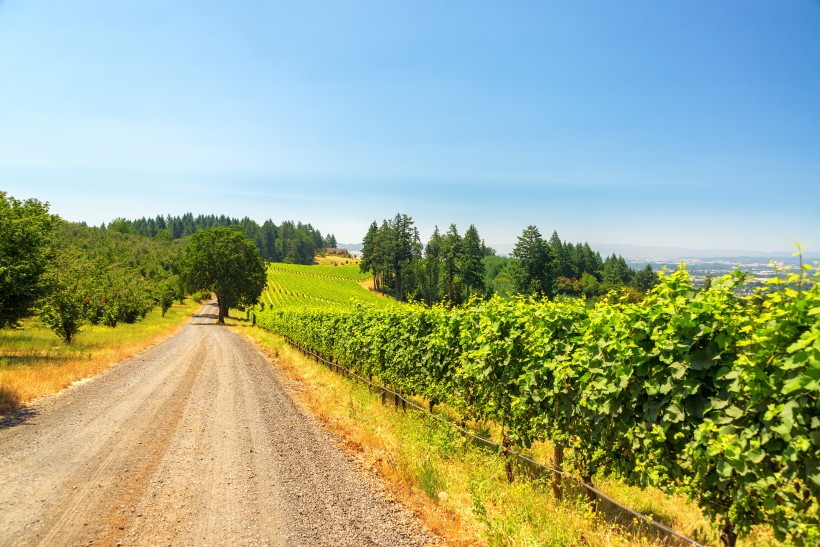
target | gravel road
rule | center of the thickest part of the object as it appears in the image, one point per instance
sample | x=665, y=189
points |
x=194, y=441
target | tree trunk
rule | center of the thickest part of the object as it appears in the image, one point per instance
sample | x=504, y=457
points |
x=728, y=536
x=223, y=310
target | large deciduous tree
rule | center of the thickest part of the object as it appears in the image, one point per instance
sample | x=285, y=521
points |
x=26, y=236
x=226, y=262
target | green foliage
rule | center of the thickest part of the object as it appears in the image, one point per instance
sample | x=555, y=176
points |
x=451, y=269
x=121, y=275
x=589, y=285
x=533, y=271
x=645, y=279
x=290, y=242
x=391, y=253
x=105, y=277
x=64, y=310
x=225, y=261
x=26, y=251
x=167, y=292
x=454, y=268
x=759, y=455
x=701, y=392
x=498, y=276
x=202, y=296
x=450, y=259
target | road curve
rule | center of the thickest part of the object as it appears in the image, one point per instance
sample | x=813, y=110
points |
x=194, y=441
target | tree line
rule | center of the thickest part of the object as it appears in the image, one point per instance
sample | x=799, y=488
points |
x=452, y=267
x=449, y=268
x=290, y=242
x=70, y=274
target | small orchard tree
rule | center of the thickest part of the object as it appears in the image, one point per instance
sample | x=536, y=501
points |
x=226, y=262
x=66, y=305
x=64, y=311
x=167, y=292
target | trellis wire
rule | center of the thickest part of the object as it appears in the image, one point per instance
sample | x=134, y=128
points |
x=657, y=525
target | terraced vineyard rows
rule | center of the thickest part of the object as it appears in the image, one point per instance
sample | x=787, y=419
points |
x=348, y=272
x=295, y=286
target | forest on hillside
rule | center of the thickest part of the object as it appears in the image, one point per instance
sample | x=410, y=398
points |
x=453, y=267
x=289, y=242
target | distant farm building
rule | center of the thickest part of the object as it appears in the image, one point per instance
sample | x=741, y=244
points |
x=337, y=252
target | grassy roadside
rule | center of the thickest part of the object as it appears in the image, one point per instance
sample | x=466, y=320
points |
x=34, y=362
x=459, y=490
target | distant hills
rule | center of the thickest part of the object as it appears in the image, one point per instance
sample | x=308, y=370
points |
x=667, y=254
x=649, y=254
x=350, y=246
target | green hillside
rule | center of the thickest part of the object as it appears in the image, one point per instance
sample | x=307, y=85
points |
x=296, y=286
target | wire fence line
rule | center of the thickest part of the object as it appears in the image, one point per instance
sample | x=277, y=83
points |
x=490, y=443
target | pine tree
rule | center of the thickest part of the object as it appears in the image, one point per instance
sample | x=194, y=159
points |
x=432, y=267
x=560, y=253
x=449, y=275
x=645, y=279
x=534, y=266
x=472, y=264
x=369, y=249
x=404, y=235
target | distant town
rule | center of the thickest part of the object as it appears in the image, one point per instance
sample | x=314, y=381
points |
x=760, y=269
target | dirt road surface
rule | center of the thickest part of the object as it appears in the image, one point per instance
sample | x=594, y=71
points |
x=193, y=442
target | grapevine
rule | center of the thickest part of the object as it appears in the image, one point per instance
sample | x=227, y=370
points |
x=703, y=392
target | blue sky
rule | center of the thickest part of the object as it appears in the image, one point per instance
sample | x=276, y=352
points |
x=679, y=123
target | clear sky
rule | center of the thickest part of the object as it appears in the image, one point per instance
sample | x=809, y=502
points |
x=688, y=123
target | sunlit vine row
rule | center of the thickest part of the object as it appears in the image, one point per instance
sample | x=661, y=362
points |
x=701, y=392
x=295, y=286
x=346, y=272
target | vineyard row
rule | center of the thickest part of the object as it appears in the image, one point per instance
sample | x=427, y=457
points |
x=701, y=392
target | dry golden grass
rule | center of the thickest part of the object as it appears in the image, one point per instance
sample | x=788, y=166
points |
x=332, y=260
x=34, y=362
x=370, y=285
x=459, y=490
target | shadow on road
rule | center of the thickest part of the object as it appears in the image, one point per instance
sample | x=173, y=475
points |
x=213, y=316
x=206, y=316
x=210, y=305
x=19, y=417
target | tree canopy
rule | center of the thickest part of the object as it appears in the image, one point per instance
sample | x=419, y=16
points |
x=226, y=262
x=26, y=250
x=290, y=242
x=450, y=269
x=534, y=274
